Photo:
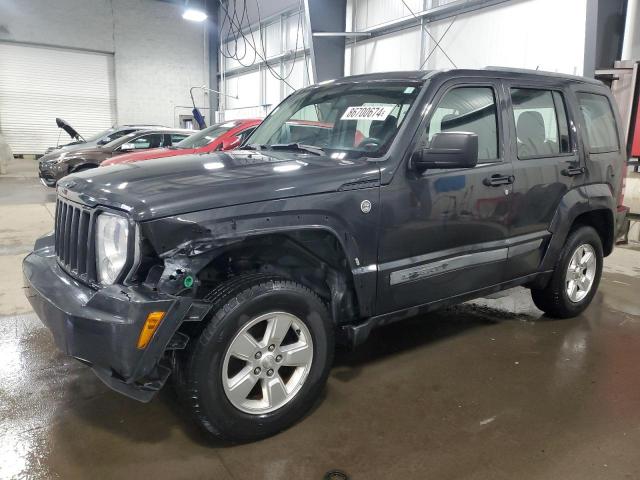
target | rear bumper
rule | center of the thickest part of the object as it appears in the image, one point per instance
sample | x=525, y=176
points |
x=101, y=327
x=621, y=224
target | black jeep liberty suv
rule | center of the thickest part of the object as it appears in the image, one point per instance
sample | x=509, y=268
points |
x=357, y=202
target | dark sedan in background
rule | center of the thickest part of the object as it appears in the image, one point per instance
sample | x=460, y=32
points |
x=53, y=167
x=102, y=138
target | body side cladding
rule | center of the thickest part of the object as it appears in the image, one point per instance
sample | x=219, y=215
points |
x=576, y=202
x=357, y=334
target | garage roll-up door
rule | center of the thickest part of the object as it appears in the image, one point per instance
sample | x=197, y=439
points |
x=38, y=84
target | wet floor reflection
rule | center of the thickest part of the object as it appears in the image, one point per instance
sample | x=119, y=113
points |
x=488, y=389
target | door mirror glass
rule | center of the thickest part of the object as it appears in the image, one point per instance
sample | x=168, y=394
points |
x=127, y=147
x=448, y=150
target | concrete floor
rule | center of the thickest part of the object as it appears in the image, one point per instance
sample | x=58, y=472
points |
x=486, y=390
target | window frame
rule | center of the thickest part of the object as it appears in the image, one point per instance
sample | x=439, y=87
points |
x=572, y=141
x=444, y=89
x=148, y=134
x=584, y=132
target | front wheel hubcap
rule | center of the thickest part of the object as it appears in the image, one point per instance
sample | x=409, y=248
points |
x=581, y=273
x=267, y=363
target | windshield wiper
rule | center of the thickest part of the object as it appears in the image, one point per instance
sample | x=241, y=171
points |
x=297, y=146
x=252, y=146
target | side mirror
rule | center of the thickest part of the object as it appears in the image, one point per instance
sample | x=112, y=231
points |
x=127, y=147
x=448, y=150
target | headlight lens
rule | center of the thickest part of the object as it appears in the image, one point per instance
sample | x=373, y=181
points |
x=112, y=238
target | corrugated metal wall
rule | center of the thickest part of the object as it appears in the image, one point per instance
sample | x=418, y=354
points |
x=38, y=84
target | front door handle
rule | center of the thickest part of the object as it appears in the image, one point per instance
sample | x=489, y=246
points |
x=496, y=180
x=572, y=171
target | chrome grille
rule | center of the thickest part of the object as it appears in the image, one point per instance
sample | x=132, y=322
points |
x=74, y=244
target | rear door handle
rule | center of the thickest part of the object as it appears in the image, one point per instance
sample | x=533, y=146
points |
x=572, y=171
x=496, y=180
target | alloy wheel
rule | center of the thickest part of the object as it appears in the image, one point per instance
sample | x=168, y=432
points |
x=581, y=273
x=267, y=363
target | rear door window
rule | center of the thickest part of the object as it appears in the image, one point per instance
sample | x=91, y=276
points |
x=541, y=123
x=599, y=122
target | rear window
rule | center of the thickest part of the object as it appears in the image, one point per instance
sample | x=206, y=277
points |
x=599, y=122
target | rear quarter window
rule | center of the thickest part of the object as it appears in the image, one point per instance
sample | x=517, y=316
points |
x=601, y=132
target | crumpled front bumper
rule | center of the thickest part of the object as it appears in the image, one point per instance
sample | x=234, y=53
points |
x=101, y=327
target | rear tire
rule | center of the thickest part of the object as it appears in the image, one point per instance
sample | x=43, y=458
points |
x=576, y=277
x=276, y=395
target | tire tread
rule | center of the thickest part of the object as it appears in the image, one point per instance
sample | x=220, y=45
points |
x=224, y=299
x=551, y=299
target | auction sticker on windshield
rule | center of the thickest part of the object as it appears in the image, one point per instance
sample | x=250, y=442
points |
x=368, y=112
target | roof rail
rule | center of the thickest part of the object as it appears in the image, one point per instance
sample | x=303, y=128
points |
x=543, y=73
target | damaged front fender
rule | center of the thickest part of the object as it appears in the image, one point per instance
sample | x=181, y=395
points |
x=187, y=243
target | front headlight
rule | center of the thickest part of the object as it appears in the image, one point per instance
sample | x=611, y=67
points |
x=53, y=159
x=112, y=239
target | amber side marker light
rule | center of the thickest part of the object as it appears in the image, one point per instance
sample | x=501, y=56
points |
x=149, y=328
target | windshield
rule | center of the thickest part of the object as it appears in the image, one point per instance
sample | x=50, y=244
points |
x=206, y=136
x=111, y=134
x=119, y=140
x=354, y=118
x=98, y=136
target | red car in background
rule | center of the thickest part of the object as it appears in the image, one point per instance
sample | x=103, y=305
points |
x=221, y=136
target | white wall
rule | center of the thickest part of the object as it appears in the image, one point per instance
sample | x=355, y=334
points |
x=157, y=54
x=544, y=34
x=67, y=23
x=158, y=57
x=396, y=51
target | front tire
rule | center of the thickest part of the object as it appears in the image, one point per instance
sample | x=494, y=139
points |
x=576, y=277
x=262, y=360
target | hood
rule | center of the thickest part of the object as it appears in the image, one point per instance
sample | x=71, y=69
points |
x=54, y=155
x=72, y=132
x=177, y=185
x=65, y=154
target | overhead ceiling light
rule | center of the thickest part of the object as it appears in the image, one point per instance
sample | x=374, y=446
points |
x=194, y=15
